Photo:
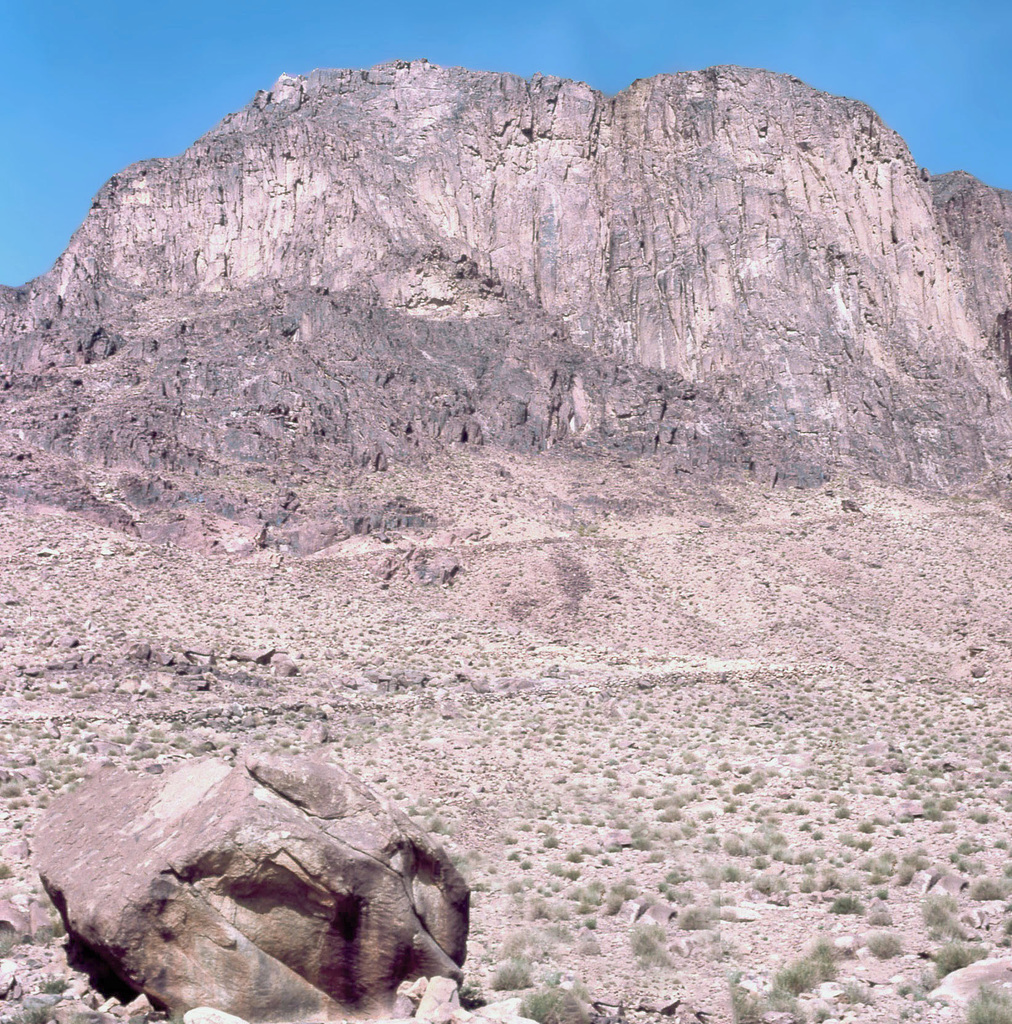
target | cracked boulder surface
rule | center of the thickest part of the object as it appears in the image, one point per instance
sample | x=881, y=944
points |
x=280, y=889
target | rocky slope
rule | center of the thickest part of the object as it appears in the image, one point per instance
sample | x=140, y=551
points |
x=724, y=269
x=760, y=717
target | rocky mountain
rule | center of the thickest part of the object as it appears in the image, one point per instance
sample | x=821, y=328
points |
x=726, y=270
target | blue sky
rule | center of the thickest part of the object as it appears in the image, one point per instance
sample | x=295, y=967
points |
x=91, y=87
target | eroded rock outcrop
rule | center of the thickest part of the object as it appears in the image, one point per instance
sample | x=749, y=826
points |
x=277, y=890
x=726, y=268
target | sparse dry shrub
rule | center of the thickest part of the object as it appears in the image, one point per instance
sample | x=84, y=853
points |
x=553, y=1005
x=817, y=966
x=954, y=956
x=695, y=919
x=987, y=889
x=939, y=913
x=989, y=1006
x=885, y=945
x=649, y=944
x=511, y=976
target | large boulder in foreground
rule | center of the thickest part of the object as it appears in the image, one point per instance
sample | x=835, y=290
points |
x=275, y=890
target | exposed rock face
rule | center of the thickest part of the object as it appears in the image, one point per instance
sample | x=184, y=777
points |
x=279, y=890
x=979, y=220
x=961, y=986
x=726, y=268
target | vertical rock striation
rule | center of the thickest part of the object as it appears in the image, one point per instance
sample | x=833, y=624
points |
x=724, y=267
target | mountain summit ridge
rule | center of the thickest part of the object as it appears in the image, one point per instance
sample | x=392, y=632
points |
x=725, y=268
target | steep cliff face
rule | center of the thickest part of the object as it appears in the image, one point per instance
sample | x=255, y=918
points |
x=726, y=266
x=979, y=220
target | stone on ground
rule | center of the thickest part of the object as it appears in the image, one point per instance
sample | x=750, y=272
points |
x=961, y=986
x=281, y=889
x=209, y=1015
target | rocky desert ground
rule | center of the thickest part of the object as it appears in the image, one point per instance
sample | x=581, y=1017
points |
x=717, y=752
